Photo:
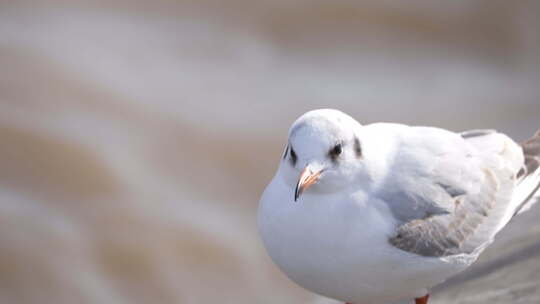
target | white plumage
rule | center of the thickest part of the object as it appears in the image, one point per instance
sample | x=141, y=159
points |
x=398, y=210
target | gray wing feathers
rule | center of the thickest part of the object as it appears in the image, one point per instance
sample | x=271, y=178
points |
x=531, y=150
x=478, y=179
x=426, y=180
x=475, y=133
x=527, y=192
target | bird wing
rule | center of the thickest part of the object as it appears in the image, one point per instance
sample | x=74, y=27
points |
x=529, y=175
x=451, y=193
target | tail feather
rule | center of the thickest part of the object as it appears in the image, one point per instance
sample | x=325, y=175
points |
x=528, y=186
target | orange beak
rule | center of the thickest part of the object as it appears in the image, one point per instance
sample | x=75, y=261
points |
x=306, y=180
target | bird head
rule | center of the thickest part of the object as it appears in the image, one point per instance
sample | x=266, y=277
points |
x=323, y=152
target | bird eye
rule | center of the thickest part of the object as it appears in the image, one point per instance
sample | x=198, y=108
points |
x=293, y=157
x=335, y=151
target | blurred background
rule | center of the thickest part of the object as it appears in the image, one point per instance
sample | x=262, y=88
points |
x=137, y=136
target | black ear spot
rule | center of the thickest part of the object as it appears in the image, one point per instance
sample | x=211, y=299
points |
x=294, y=158
x=357, y=147
x=335, y=152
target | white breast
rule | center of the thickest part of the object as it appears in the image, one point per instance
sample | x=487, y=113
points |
x=337, y=246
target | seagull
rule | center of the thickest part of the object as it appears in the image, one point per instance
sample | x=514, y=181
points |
x=381, y=213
